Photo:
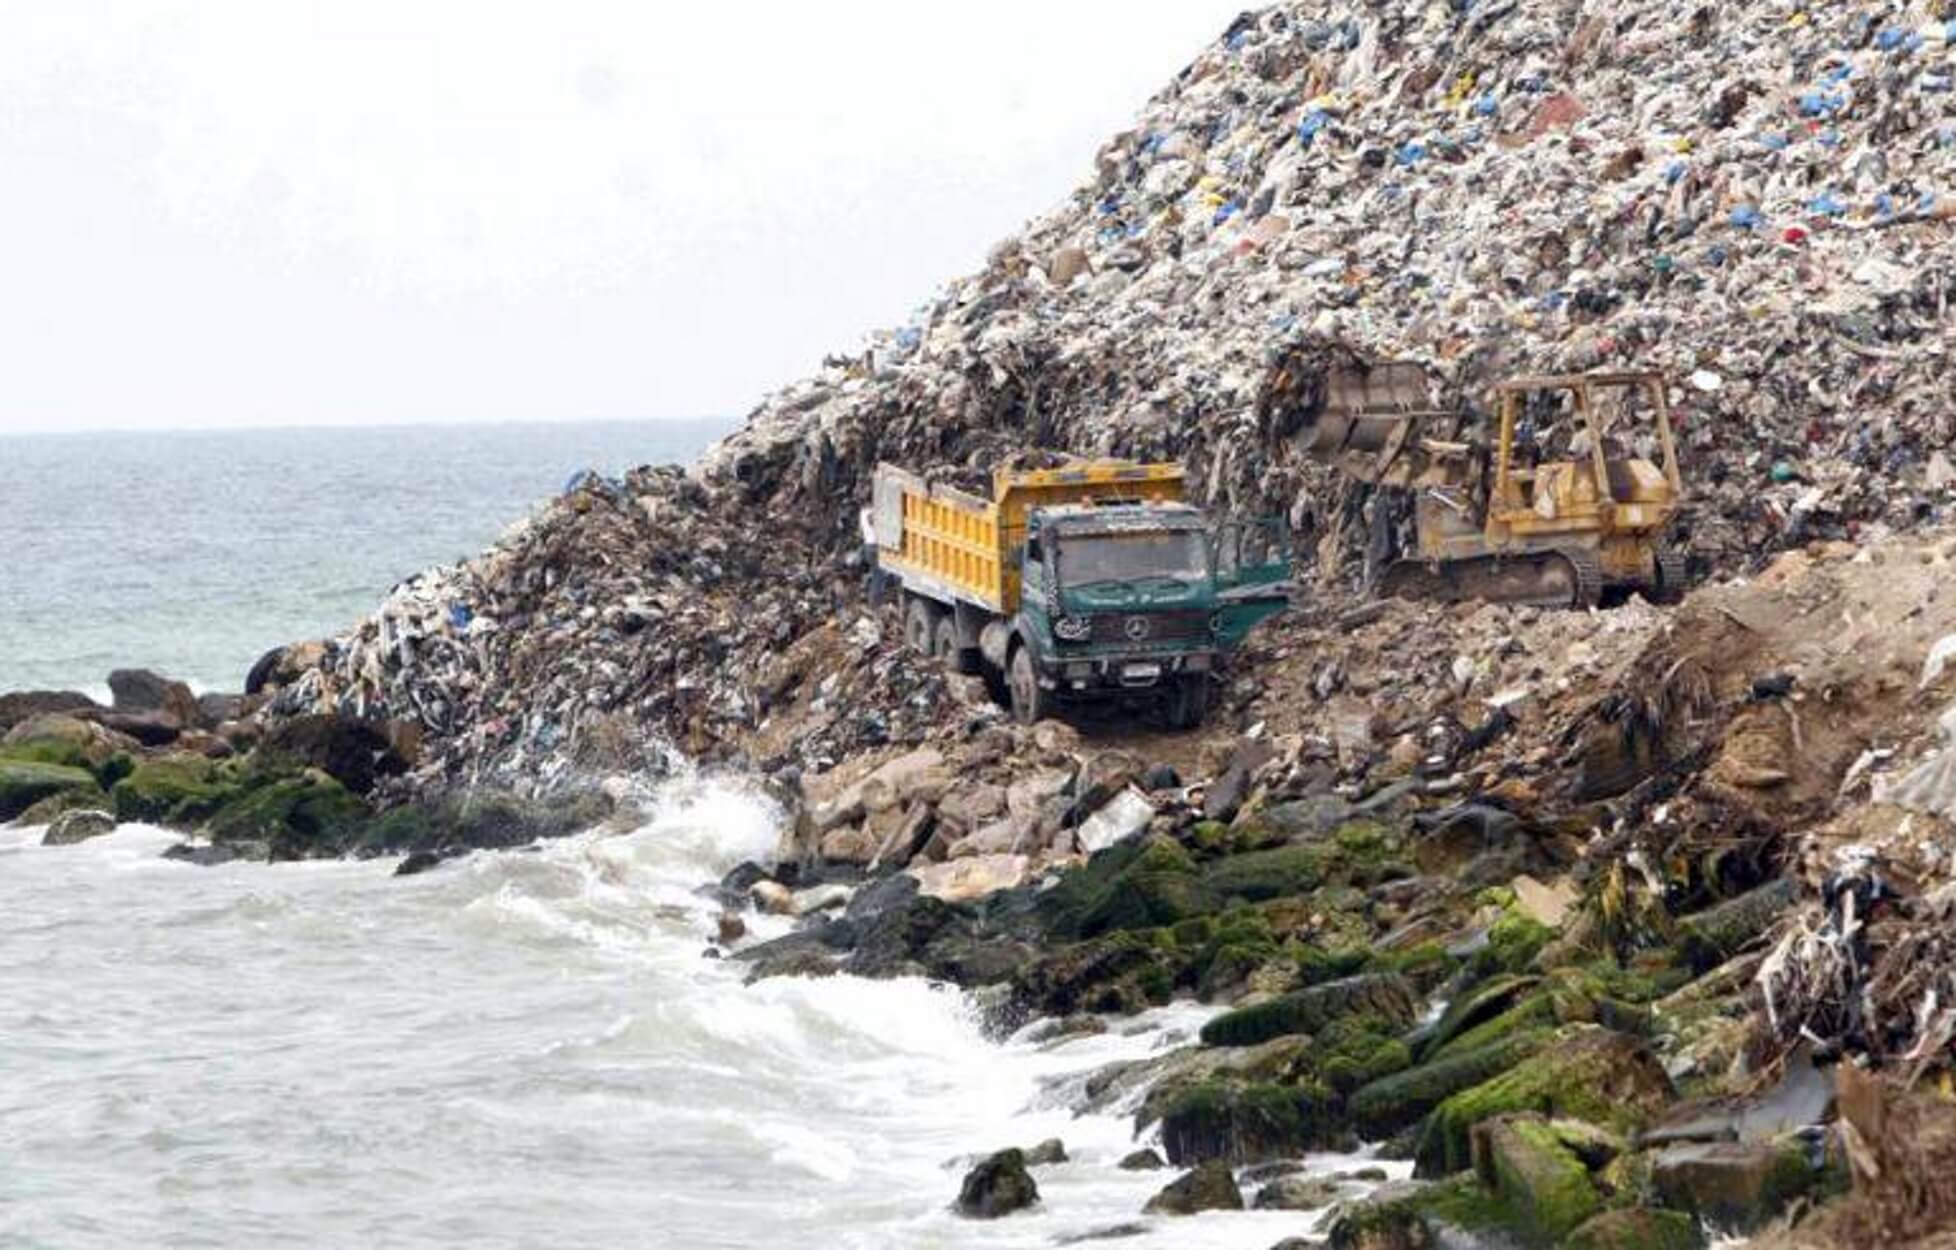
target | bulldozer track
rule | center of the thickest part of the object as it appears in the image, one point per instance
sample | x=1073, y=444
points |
x=1567, y=578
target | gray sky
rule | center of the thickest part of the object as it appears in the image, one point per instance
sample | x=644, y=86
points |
x=249, y=212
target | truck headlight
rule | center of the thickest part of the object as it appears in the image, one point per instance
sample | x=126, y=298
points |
x=1073, y=628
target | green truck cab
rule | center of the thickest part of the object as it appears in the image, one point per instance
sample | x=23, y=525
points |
x=1083, y=585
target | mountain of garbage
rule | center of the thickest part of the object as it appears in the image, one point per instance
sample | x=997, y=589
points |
x=1755, y=199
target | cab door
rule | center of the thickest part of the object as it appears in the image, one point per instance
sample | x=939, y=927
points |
x=1252, y=563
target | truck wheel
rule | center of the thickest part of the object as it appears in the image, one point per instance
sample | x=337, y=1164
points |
x=1030, y=703
x=956, y=659
x=1188, y=701
x=919, y=625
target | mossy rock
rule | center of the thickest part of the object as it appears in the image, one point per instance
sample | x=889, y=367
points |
x=1523, y=1162
x=1358, y=1050
x=176, y=790
x=1475, y=1005
x=1399, y=1101
x=1592, y=1074
x=1543, y=1010
x=49, y=809
x=1513, y=942
x=304, y=817
x=1383, y=995
x=1113, y=973
x=1247, y=1122
x=24, y=783
x=1422, y=1215
x=1638, y=1228
x=480, y=820
x=1269, y=874
x=1143, y=884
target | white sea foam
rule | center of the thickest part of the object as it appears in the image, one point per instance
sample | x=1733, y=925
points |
x=519, y=1048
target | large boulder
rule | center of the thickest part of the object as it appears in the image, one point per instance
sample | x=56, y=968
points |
x=179, y=790
x=303, y=817
x=998, y=1186
x=1211, y=1187
x=58, y=738
x=1384, y=995
x=1737, y=1185
x=1638, y=1228
x=78, y=826
x=352, y=752
x=140, y=690
x=24, y=783
x=1522, y=1161
x=1247, y=1122
x=23, y=705
x=1590, y=1074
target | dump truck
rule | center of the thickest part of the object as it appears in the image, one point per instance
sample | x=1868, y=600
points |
x=1565, y=495
x=1088, y=583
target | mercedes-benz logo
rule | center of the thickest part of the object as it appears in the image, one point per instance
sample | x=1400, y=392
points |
x=1137, y=628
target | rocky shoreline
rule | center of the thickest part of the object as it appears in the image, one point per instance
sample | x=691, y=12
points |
x=1619, y=927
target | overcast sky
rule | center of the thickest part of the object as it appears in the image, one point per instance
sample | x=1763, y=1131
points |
x=251, y=212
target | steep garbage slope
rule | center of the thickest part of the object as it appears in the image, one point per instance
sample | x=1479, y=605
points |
x=1754, y=198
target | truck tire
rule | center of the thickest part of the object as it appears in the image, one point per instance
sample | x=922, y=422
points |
x=919, y=624
x=1188, y=701
x=1030, y=701
x=944, y=645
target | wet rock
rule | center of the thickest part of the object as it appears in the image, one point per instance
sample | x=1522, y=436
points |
x=1589, y=1074
x=78, y=826
x=1522, y=1161
x=1111, y=1232
x=1046, y=1153
x=731, y=928
x=998, y=1186
x=209, y=855
x=773, y=897
x=24, y=784
x=1382, y=995
x=1296, y=1193
x=151, y=729
x=417, y=863
x=57, y=738
x=354, y=753
x=1210, y=1187
x=140, y=690
x=1143, y=1160
x=1638, y=1228
x=23, y=705
x=1736, y=1185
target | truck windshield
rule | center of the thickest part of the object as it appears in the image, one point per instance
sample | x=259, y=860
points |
x=1180, y=554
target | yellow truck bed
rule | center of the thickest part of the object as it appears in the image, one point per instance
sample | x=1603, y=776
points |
x=951, y=545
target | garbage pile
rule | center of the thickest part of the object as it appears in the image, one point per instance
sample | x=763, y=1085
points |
x=1755, y=199
x=621, y=621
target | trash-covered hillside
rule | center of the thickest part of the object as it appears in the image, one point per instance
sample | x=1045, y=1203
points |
x=1754, y=198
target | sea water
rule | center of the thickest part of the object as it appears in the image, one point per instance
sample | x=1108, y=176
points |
x=193, y=552
x=518, y=1049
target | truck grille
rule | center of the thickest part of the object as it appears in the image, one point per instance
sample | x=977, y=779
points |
x=1149, y=626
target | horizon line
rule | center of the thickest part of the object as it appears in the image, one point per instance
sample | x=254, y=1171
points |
x=412, y=423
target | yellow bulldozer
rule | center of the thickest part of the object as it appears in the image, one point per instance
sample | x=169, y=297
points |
x=1566, y=498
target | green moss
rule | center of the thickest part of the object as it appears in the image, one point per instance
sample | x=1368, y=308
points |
x=299, y=817
x=1268, y=874
x=1638, y=1228
x=76, y=800
x=1317, y=964
x=1392, y=1103
x=1401, y=1216
x=1514, y=941
x=1383, y=996
x=1532, y=1014
x=49, y=750
x=23, y=783
x=1245, y=1121
x=1358, y=1050
x=178, y=790
x=1591, y=1074
x=1481, y=1001
x=1141, y=885
x=1527, y=1165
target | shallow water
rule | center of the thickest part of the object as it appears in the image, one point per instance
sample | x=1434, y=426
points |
x=524, y=1049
